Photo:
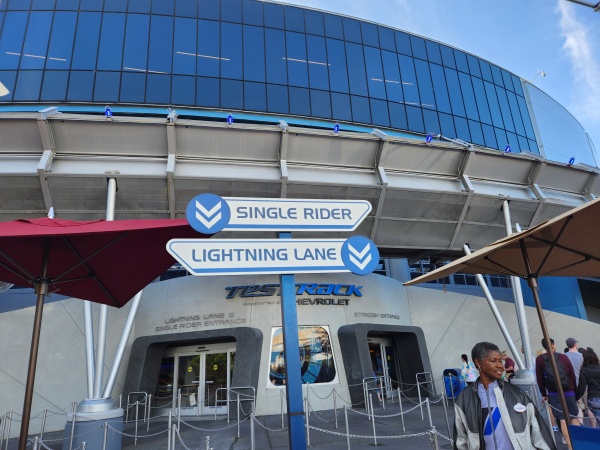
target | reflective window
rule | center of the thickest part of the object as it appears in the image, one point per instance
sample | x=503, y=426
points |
x=474, y=66
x=36, y=40
x=481, y=99
x=507, y=80
x=379, y=112
x=369, y=34
x=231, y=51
x=375, y=78
x=158, y=6
x=207, y=92
x=403, y=43
x=433, y=52
x=46, y=5
x=486, y=71
x=518, y=87
x=468, y=96
x=136, y=43
x=139, y=6
x=255, y=96
x=386, y=39
x=356, y=69
x=397, y=116
x=513, y=141
x=393, y=83
x=447, y=56
x=533, y=147
x=333, y=26
x=316, y=356
x=493, y=104
x=440, y=89
x=185, y=57
x=111, y=41
x=11, y=41
x=54, y=86
x=432, y=124
x=415, y=119
x=489, y=136
x=409, y=80
x=314, y=22
x=525, y=117
x=161, y=45
x=81, y=85
x=296, y=59
x=19, y=4
x=360, y=109
x=523, y=143
x=254, y=54
x=158, y=89
x=133, y=86
x=299, y=101
x=338, y=74
x=340, y=106
x=231, y=10
x=28, y=86
x=456, y=100
x=273, y=16
x=209, y=9
x=106, y=88
x=294, y=19
x=351, y=30
x=65, y=5
x=186, y=8
x=476, y=133
x=503, y=101
x=61, y=41
x=447, y=126
x=232, y=94
x=497, y=75
x=275, y=54
x=253, y=12
x=317, y=62
x=515, y=113
x=418, y=47
x=115, y=6
x=277, y=99
x=462, y=129
x=320, y=103
x=86, y=41
x=425, y=86
x=501, y=138
x=461, y=61
x=183, y=90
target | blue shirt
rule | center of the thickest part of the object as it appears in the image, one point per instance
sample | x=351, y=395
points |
x=494, y=432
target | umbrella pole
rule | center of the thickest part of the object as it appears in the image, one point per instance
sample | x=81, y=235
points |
x=41, y=289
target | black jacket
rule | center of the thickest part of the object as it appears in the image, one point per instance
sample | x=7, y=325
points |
x=589, y=377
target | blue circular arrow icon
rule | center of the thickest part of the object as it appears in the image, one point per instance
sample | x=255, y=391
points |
x=360, y=255
x=207, y=213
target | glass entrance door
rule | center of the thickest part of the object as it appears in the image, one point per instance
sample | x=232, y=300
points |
x=383, y=360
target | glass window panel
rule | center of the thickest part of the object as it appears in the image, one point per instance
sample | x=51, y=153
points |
x=158, y=89
x=468, y=97
x=486, y=70
x=514, y=142
x=86, y=41
x=533, y=147
x=474, y=66
x=133, y=87
x=461, y=61
x=231, y=51
x=186, y=8
x=409, y=80
x=523, y=143
x=19, y=4
x=67, y=5
x=447, y=56
x=369, y=34
x=161, y=44
x=360, y=109
x=462, y=129
x=432, y=125
x=415, y=119
x=183, y=90
x=375, y=78
x=273, y=16
x=425, y=86
x=393, y=83
x=11, y=41
x=333, y=26
x=111, y=41
x=139, y=6
x=232, y=94
x=476, y=133
x=403, y=43
x=489, y=136
x=356, y=69
x=497, y=75
x=338, y=74
x=494, y=105
x=275, y=53
x=456, y=100
x=508, y=123
x=209, y=44
x=296, y=59
x=255, y=96
x=207, y=92
x=515, y=113
x=81, y=85
x=184, y=48
x=136, y=43
x=481, y=100
x=501, y=138
x=433, y=52
x=115, y=6
x=526, y=118
x=28, y=85
x=166, y=7
x=294, y=19
x=61, y=40
x=320, y=103
x=314, y=22
x=231, y=11
x=54, y=86
x=517, y=86
x=277, y=99
x=209, y=9
x=418, y=47
x=439, y=88
x=507, y=80
x=299, y=101
x=340, y=106
x=36, y=40
x=398, y=116
x=386, y=39
x=379, y=112
x=317, y=62
x=351, y=30
x=447, y=126
x=254, y=53
x=106, y=88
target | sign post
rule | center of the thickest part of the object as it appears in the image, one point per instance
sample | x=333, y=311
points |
x=209, y=214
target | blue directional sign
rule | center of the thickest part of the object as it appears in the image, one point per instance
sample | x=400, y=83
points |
x=209, y=214
x=275, y=256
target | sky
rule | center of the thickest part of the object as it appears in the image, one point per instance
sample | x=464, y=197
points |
x=557, y=37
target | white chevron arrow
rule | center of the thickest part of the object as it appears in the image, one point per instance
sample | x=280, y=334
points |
x=208, y=213
x=360, y=255
x=205, y=211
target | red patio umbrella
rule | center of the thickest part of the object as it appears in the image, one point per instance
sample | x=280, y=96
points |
x=103, y=262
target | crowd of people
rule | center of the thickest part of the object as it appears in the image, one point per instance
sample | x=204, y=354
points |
x=492, y=413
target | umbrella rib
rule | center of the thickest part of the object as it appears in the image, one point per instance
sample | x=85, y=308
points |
x=28, y=276
x=567, y=266
x=554, y=244
x=506, y=270
x=562, y=247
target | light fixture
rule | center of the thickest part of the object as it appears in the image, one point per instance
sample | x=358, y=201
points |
x=539, y=73
x=572, y=161
x=507, y=148
x=429, y=138
x=229, y=119
x=336, y=128
x=108, y=113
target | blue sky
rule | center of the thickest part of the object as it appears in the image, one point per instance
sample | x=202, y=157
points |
x=523, y=36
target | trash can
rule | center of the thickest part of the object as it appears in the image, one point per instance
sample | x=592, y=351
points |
x=453, y=383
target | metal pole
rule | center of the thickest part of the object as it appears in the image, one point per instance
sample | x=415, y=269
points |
x=238, y=415
x=380, y=390
x=306, y=421
x=137, y=404
x=428, y=411
x=83, y=445
x=89, y=345
x=173, y=434
x=281, y=403
x=178, y=408
x=41, y=289
x=149, y=409
x=9, y=416
x=347, y=426
x=35, y=444
x=43, y=423
x=419, y=391
x=2, y=426
x=169, y=432
x=434, y=440
x=252, y=430
x=373, y=419
x=401, y=411
x=72, y=431
x=335, y=410
x=445, y=404
x=105, y=438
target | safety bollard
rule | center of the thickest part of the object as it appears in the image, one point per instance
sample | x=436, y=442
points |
x=306, y=421
x=373, y=419
x=169, y=432
x=105, y=438
x=347, y=426
x=434, y=440
x=335, y=410
x=445, y=404
x=401, y=411
x=43, y=423
x=238, y=415
x=137, y=404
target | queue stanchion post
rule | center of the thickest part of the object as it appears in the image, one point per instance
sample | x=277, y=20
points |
x=347, y=426
x=401, y=411
x=105, y=437
x=169, y=432
x=43, y=423
x=373, y=420
x=335, y=410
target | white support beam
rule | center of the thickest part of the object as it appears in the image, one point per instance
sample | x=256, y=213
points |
x=383, y=180
x=536, y=170
x=589, y=186
x=43, y=168
x=283, y=146
x=171, y=184
x=284, y=178
x=470, y=191
x=539, y=194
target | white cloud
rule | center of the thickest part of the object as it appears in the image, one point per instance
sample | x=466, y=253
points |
x=579, y=46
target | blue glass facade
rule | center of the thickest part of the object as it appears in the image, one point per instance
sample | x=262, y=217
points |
x=255, y=56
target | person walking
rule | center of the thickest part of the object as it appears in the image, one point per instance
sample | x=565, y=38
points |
x=509, y=366
x=492, y=414
x=576, y=359
x=468, y=372
x=589, y=378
